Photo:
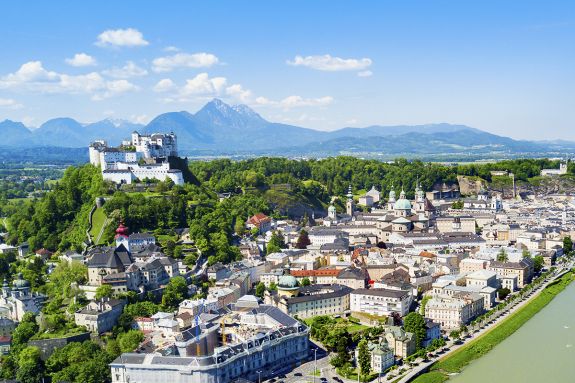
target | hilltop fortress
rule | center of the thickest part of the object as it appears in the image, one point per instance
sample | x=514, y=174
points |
x=142, y=157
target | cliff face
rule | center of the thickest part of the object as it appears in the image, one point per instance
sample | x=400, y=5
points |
x=547, y=185
x=470, y=185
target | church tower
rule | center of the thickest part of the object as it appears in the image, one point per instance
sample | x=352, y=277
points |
x=391, y=199
x=122, y=236
x=349, y=206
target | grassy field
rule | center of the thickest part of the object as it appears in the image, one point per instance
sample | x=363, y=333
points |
x=455, y=362
x=98, y=220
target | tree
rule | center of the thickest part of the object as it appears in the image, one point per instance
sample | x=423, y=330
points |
x=129, y=341
x=526, y=254
x=303, y=240
x=104, y=291
x=396, y=318
x=567, y=245
x=240, y=227
x=276, y=243
x=455, y=334
x=305, y=281
x=170, y=247
x=457, y=205
x=260, y=288
x=273, y=287
x=25, y=330
x=175, y=292
x=538, y=263
x=502, y=293
x=363, y=357
x=415, y=324
x=30, y=366
x=502, y=256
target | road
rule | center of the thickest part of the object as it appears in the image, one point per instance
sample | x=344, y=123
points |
x=494, y=321
x=304, y=373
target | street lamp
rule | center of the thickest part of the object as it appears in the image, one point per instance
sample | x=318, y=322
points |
x=314, y=363
x=259, y=376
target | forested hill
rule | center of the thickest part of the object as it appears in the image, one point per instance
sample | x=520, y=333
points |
x=276, y=186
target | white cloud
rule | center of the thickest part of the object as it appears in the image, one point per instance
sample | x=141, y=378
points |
x=184, y=60
x=330, y=63
x=365, y=73
x=238, y=92
x=32, y=71
x=127, y=71
x=298, y=101
x=114, y=88
x=33, y=77
x=81, y=59
x=295, y=102
x=9, y=103
x=164, y=85
x=171, y=48
x=129, y=37
x=202, y=84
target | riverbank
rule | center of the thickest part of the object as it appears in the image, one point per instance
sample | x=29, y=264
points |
x=457, y=360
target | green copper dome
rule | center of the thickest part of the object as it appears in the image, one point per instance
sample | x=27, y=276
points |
x=287, y=282
x=19, y=282
x=402, y=204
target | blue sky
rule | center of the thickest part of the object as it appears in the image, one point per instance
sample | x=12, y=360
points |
x=507, y=67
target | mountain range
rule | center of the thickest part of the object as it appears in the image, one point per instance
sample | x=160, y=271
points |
x=219, y=128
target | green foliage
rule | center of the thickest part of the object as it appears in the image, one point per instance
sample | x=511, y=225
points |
x=30, y=366
x=104, y=291
x=415, y=323
x=276, y=243
x=567, y=245
x=538, y=263
x=129, y=341
x=457, y=204
x=174, y=293
x=79, y=362
x=64, y=210
x=485, y=343
x=305, y=281
x=260, y=289
x=364, y=357
x=423, y=303
x=502, y=255
x=64, y=276
x=503, y=293
x=25, y=330
x=455, y=334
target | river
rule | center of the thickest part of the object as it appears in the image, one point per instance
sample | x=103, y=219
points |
x=542, y=350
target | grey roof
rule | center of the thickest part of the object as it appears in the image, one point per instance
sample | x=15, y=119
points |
x=352, y=273
x=314, y=293
x=110, y=257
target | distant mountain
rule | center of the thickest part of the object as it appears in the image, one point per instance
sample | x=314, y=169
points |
x=219, y=128
x=14, y=134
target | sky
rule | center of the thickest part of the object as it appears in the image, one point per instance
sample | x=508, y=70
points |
x=506, y=67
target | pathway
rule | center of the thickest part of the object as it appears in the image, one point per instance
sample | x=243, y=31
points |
x=496, y=318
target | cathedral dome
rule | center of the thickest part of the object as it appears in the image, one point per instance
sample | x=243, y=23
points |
x=287, y=282
x=20, y=283
x=402, y=204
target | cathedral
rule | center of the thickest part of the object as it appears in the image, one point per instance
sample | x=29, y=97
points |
x=18, y=300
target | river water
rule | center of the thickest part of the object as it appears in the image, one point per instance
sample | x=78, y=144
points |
x=541, y=351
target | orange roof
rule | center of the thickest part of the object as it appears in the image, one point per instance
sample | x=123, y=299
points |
x=258, y=219
x=316, y=273
x=427, y=254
